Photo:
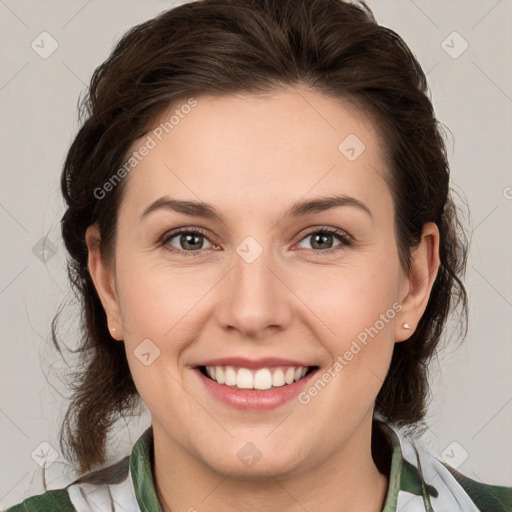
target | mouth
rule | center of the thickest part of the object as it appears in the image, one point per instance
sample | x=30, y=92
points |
x=257, y=384
x=256, y=379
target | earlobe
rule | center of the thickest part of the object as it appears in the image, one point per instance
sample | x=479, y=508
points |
x=423, y=272
x=104, y=282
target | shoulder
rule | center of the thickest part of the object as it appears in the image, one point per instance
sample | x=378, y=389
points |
x=487, y=497
x=430, y=483
x=56, y=500
x=452, y=490
x=104, y=484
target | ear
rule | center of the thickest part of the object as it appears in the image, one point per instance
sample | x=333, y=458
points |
x=418, y=285
x=103, y=278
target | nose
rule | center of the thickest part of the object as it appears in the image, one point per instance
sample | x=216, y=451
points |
x=255, y=298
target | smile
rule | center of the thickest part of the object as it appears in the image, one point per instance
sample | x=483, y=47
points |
x=257, y=384
x=255, y=378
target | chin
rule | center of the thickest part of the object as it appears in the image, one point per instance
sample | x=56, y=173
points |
x=250, y=463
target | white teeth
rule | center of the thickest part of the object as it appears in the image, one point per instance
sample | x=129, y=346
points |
x=277, y=378
x=230, y=376
x=219, y=374
x=244, y=379
x=289, y=376
x=263, y=378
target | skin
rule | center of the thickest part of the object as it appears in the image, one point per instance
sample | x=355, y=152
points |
x=251, y=157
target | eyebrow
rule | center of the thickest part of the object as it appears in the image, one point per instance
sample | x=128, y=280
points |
x=299, y=209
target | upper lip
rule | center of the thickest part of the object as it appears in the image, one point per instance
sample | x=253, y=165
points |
x=243, y=362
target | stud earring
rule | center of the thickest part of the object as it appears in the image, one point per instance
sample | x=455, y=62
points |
x=405, y=325
x=112, y=328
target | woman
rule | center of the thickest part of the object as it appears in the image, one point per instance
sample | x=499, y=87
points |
x=224, y=143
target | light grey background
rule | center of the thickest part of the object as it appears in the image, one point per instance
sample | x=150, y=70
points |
x=472, y=95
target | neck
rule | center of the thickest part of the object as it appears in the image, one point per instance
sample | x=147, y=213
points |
x=348, y=480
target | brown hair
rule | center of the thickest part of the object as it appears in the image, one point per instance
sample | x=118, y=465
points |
x=224, y=47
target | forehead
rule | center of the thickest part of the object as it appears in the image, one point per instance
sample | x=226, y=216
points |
x=240, y=150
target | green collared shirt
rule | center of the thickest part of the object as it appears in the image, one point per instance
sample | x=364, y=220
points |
x=418, y=482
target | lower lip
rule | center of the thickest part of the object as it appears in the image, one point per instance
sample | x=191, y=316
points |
x=255, y=399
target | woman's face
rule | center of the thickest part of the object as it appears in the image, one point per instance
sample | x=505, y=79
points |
x=262, y=286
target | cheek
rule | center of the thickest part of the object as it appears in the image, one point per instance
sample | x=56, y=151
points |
x=355, y=325
x=155, y=298
x=157, y=306
x=349, y=299
x=354, y=317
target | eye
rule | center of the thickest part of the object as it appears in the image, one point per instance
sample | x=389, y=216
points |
x=321, y=240
x=188, y=241
x=191, y=241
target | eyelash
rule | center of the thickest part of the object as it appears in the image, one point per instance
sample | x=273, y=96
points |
x=342, y=236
